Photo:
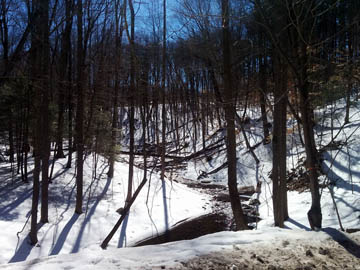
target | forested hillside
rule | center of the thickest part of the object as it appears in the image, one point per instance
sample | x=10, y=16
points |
x=125, y=120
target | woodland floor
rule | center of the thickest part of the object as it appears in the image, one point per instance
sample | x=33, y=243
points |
x=340, y=251
x=337, y=253
x=219, y=220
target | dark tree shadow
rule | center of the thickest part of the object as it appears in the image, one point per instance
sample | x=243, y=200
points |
x=13, y=192
x=166, y=211
x=25, y=248
x=5, y=211
x=349, y=245
x=122, y=239
x=337, y=179
x=89, y=215
x=8, y=186
x=59, y=173
x=340, y=199
x=63, y=235
x=297, y=224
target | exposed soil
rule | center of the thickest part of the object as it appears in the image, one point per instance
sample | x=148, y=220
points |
x=332, y=254
x=190, y=229
x=217, y=221
x=297, y=179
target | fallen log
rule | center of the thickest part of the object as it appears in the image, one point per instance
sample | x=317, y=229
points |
x=205, y=174
x=124, y=212
x=149, y=154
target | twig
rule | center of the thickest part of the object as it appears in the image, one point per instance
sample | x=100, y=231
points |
x=204, y=174
x=336, y=209
x=18, y=233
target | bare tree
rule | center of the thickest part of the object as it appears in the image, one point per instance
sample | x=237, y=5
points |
x=40, y=79
x=230, y=112
x=118, y=42
x=64, y=83
x=80, y=109
x=278, y=174
x=131, y=37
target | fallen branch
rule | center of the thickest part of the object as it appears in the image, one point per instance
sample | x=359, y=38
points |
x=124, y=212
x=149, y=154
x=333, y=141
x=202, y=151
x=247, y=143
x=335, y=206
x=256, y=146
x=204, y=174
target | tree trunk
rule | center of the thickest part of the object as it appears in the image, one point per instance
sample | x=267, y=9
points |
x=11, y=140
x=60, y=128
x=64, y=66
x=69, y=6
x=314, y=214
x=70, y=107
x=163, y=110
x=39, y=55
x=132, y=101
x=45, y=137
x=118, y=39
x=79, y=111
x=279, y=144
x=348, y=102
x=70, y=127
x=229, y=107
x=349, y=82
x=35, y=201
x=263, y=92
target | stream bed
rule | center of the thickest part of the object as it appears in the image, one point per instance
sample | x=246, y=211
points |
x=219, y=220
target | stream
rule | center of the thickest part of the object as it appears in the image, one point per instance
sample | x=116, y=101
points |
x=219, y=220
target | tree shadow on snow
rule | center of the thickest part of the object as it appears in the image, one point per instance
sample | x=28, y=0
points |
x=334, y=178
x=89, y=215
x=9, y=185
x=60, y=172
x=25, y=248
x=166, y=211
x=21, y=196
x=344, y=241
x=13, y=192
x=56, y=248
x=67, y=228
x=297, y=224
x=122, y=239
x=63, y=235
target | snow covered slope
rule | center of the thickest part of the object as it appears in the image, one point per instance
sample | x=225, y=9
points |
x=69, y=233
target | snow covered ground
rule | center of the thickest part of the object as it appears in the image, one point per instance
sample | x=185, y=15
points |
x=290, y=248
x=157, y=207
x=257, y=249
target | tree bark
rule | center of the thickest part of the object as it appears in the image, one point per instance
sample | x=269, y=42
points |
x=39, y=55
x=118, y=38
x=263, y=92
x=131, y=101
x=163, y=110
x=230, y=112
x=35, y=201
x=79, y=111
x=279, y=143
x=63, y=83
x=45, y=145
x=314, y=214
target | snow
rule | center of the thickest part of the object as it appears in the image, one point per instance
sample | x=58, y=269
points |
x=68, y=232
x=71, y=241
x=173, y=255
